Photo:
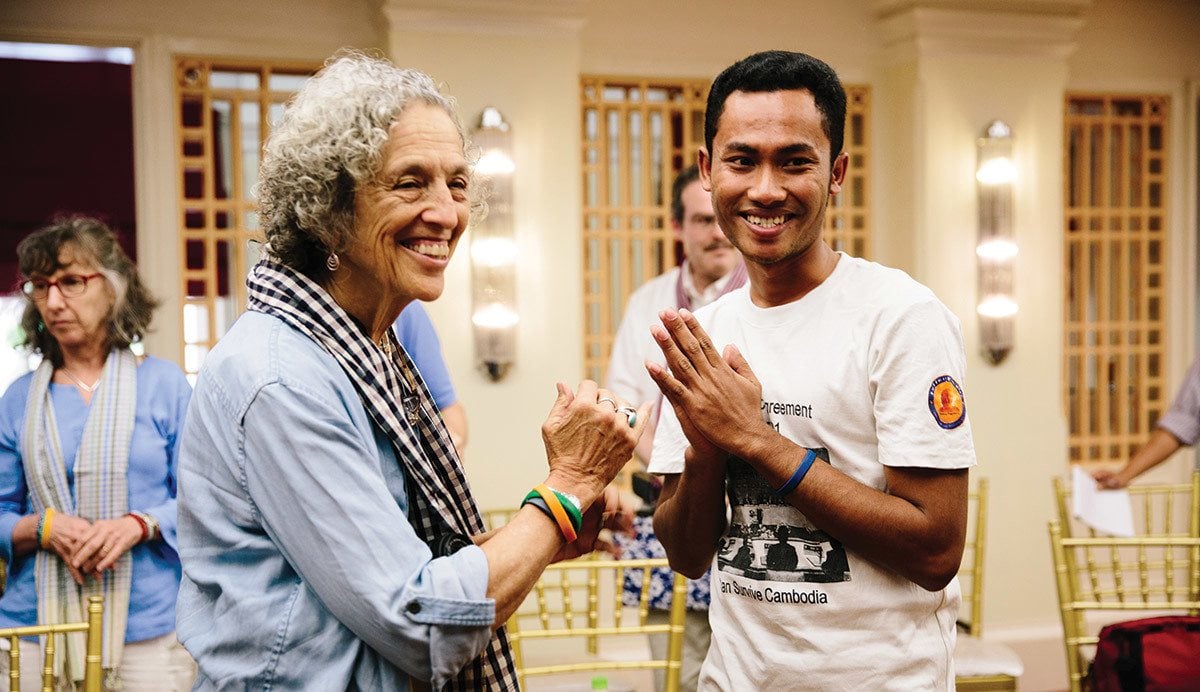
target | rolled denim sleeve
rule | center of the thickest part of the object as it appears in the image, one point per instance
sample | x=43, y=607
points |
x=328, y=502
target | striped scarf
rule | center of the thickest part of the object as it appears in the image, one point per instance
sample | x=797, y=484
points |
x=443, y=512
x=100, y=492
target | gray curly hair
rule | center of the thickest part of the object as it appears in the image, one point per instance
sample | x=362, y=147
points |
x=328, y=143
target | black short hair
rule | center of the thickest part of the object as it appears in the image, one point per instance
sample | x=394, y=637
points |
x=686, y=177
x=778, y=70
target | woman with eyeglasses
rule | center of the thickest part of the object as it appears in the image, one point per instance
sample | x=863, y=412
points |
x=88, y=445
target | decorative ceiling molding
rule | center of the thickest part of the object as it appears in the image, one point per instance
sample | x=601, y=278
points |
x=494, y=17
x=1031, y=28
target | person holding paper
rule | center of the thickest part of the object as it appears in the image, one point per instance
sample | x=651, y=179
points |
x=1179, y=427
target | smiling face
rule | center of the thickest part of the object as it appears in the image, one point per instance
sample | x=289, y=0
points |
x=407, y=220
x=771, y=174
x=709, y=253
x=82, y=320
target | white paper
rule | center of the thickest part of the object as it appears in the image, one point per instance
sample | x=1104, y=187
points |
x=1107, y=511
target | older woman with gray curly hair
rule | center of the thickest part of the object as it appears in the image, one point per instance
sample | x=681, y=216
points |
x=328, y=534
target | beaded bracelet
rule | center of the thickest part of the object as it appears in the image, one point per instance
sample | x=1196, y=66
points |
x=142, y=523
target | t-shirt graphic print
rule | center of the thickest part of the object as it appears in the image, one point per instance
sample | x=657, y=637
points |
x=769, y=540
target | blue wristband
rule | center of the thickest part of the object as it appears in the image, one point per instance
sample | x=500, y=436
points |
x=787, y=488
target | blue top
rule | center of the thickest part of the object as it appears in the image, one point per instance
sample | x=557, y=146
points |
x=162, y=401
x=417, y=336
x=301, y=570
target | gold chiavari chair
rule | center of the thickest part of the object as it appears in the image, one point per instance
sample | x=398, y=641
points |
x=1103, y=579
x=1159, y=509
x=579, y=602
x=93, y=673
x=979, y=664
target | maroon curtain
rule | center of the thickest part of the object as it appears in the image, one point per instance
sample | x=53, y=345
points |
x=66, y=137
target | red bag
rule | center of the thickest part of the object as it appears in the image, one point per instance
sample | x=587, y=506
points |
x=1153, y=654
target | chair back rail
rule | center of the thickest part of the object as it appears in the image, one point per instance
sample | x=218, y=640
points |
x=93, y=672
x=583, y=600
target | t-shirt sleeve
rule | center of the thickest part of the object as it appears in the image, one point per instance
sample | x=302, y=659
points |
x=1183, y=418
x=916, y=378
x=416, y=334
x=627, y=377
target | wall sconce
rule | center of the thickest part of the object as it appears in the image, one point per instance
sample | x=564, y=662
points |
x=995, y=176
x=494, y=251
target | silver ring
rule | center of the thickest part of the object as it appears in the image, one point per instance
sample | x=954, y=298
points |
x=609, y=400
x=630, y=413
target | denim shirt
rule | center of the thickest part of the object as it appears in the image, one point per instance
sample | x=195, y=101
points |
x=300, y=569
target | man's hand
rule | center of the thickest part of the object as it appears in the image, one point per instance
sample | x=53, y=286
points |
x=716, y=397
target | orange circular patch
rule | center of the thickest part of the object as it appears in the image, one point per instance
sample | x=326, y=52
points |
x=946, y=402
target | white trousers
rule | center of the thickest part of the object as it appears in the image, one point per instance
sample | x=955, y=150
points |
x=696, y=635
x=154, y=665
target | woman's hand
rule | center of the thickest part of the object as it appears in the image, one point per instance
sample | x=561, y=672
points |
x=610, y=511
x=588, y=440
x=107, y=540
x=66, y=534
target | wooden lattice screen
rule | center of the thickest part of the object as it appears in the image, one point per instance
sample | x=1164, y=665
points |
x=1115, y=254
x=225, y=110
x=637, y=134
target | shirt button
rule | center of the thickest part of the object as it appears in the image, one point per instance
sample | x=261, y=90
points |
x=413, y=607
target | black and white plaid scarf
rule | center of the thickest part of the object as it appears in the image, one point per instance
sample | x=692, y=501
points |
x=442, y=511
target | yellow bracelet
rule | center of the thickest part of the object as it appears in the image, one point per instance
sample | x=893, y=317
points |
x=560, y=514
x=44, y=538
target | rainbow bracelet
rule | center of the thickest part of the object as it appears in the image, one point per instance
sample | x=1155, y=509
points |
x=557, y=511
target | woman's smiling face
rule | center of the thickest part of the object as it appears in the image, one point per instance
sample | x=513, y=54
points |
x=408, y=220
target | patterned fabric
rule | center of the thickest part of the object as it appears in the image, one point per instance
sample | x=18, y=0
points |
x=443, y=513
x=100, y=492
x=644, y=545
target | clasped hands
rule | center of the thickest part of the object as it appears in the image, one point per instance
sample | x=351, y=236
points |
x=588, y=440
x=715, y=396
x=89, y=548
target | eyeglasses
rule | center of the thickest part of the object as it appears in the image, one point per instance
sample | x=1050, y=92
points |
x=70, y=285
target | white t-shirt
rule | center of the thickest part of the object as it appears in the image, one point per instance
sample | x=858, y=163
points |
x=865, y=369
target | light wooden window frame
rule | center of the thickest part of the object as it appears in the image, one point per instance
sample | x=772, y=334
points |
x=1116, y=156
x=627, y=237
x=218, y=230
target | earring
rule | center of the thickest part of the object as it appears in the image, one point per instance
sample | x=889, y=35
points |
x=332, y=262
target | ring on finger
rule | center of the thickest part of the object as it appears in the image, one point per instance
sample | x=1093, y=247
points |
x=610, y=400
x=630, y=413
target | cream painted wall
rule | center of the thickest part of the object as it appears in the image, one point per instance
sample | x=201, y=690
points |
x=537, y=90
x=684, y=38
x=961, y=95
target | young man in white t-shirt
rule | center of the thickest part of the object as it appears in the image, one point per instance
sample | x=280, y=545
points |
x=825, y=400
